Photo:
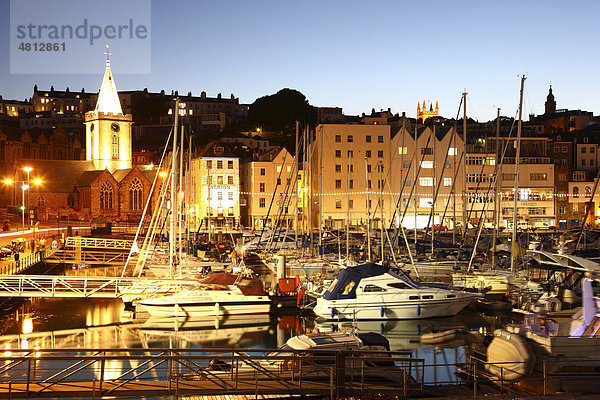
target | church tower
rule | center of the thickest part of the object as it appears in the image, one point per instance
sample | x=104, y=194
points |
x=107, y=129
x=424, y=113
x=550, y=103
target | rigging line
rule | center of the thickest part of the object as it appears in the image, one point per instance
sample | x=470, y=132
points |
x=415, y=182
x=270, y=206
x=437, y=189
x=497, y=168
x=481, y=173
x=148, y=201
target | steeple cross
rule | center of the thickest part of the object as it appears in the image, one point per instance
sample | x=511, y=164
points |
x=107, y=53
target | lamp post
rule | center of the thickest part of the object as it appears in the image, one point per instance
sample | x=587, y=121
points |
x=28, y=170
x=24, y=187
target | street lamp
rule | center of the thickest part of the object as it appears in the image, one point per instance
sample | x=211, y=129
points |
x=24, y=187
x=28, y=170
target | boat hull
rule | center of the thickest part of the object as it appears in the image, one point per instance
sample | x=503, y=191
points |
x=206, y=309
x=350, y=309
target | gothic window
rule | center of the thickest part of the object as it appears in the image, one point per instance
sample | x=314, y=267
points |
x=135, y=195
x=70, y=201
x=115, y=147
x=106, y=196
x=41, y=201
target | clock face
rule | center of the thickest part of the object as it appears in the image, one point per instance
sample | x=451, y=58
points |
x=115, y=127
x=92, y=128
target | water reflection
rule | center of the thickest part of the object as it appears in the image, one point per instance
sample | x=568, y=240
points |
x=102, y=324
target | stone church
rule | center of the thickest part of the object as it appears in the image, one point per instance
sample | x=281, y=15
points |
x=104, y=184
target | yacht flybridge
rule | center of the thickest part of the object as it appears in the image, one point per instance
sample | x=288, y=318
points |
x=372, y=291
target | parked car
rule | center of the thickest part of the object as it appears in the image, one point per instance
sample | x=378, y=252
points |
x=440, y=228
x=6, y=225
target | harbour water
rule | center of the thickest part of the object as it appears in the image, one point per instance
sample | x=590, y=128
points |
x=105, y=324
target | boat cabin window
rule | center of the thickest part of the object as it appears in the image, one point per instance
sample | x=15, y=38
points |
x=450, y=296
x=413, y=297
x=399, y=285
x=330, y=288
x=348, y=287
x=427, y=297
x=373, y=288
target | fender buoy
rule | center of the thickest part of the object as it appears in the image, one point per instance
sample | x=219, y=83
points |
x=553, y=304
x=332, y=312
x=309, y=286
x=418, y=309
x=382, y=312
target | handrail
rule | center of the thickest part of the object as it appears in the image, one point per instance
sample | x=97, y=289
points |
x=121, y=372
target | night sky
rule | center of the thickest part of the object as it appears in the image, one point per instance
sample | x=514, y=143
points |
x=361, y=54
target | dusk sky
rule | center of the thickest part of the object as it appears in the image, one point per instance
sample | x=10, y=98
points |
x=360, y=55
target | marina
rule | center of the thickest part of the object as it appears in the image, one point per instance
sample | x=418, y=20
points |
x=176, y=245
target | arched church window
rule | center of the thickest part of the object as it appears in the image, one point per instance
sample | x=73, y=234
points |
x=106, y=196
x=588, y=191
x=575, y=191
x=115, y=147
x=41, y=201
x=135, y=195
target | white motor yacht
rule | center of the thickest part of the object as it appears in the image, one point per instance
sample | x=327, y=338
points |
x=219, y=294
x=372, y=291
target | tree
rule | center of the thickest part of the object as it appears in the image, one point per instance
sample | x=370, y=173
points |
x=280, y=111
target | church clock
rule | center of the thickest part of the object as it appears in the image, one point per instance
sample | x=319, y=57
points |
x=115, y=127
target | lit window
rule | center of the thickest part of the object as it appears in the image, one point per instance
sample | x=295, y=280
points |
x=452, y=151
x=338, y=204
x=402, y=150
x=426, y=181
x=426, y=164
x=219, y=180
x=230, y=180
x=262, y=202
x=447, y=181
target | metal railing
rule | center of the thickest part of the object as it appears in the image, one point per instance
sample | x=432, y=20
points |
x=547, y=375
x=98, y=243
x=85, y=286
x=15, y=267
x=159, y=372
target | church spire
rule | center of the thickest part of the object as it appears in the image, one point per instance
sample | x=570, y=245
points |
x=108, y=98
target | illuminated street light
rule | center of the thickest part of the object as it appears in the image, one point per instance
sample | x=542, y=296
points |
x=37, y=181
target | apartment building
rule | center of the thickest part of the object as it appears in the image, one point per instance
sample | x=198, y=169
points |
x=437, y=163
x=268, y=197
x=349, y=166
x=215, y=194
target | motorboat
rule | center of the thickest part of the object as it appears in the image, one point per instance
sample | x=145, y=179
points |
x=372, y=291
x=219, y=294
x=562, y=345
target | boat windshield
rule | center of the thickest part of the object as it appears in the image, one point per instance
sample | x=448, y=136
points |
x=405, y=279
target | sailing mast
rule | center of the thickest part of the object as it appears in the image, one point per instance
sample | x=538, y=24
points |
x=172, y=207
x=497, y=189
x=368, y=210
x=517, y=156
x=296, y=185
x=180, y=197
x=348, y=211
x=414, y=199
x=320, y=191
x=434, y=195
x=464, y=168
